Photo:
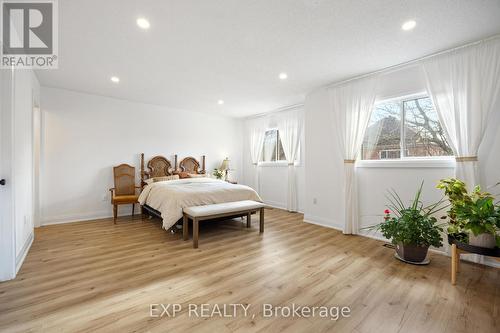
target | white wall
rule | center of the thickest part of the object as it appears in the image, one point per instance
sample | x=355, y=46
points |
x=322, y=153
x=323, y=174
x=273, y=176
x=274, y=180
x=85, y=135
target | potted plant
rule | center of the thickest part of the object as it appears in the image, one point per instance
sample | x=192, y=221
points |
x=411, y=228
x=219, y=174
x=474, y=217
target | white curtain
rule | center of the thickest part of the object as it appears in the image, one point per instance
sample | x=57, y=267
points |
x=290, y=131
x=351, y=105
x=465, y=86
x=257, y=132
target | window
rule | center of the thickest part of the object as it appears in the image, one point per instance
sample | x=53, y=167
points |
x=272, y=150
x=389, y=154
x=404, y=128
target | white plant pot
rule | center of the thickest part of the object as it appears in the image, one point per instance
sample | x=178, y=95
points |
x=482, y=240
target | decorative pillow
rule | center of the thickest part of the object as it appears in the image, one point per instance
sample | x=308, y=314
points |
x=196, y=175
x=183, y=175
x=161, y=179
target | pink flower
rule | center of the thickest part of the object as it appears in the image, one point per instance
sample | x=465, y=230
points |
x=387, y=211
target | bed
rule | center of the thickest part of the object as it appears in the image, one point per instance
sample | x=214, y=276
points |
x=167, y=199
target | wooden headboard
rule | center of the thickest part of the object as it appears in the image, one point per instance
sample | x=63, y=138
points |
x=158, y=166
x=191, y=165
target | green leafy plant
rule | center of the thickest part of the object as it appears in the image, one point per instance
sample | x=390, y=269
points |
x=476, y=211
x=219, y=174
x=412, y=224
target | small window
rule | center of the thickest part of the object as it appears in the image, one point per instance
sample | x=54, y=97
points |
x=272, y=150
x=389, y=154
x=404, y=128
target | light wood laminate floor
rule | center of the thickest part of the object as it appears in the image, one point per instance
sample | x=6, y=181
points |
x=100, y=277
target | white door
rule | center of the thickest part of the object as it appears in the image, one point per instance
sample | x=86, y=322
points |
x=7, y=242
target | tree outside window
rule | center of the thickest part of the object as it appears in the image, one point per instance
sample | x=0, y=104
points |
x=404, y=128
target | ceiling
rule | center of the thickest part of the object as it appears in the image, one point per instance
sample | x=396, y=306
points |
x=197, y=52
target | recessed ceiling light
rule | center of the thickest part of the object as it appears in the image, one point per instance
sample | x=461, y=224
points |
x=220, y=102
x=283, y=76
x=409, y=25
x=143, y=23
x=115, y=79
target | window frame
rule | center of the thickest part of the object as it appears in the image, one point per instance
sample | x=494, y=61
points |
x=276, y=162
x=404, y=160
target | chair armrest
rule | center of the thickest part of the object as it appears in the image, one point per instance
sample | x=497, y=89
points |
x=112, y=190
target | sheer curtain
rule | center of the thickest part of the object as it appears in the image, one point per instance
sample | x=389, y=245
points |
x=351, y=105
x=290, y=131
x=464, y=86
x=257, y=133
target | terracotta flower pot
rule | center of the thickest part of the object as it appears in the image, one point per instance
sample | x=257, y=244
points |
x=482, y=240
x=412, y=253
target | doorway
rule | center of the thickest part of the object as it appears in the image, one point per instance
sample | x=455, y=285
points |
x=7, y=232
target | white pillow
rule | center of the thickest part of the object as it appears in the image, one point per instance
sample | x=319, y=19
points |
x=161, y=179
x=196, y=175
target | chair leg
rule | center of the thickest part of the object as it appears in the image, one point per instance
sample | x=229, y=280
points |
x=185, y=227
x=261, y=220
x=195, y=233
x=249, y=220
x=133, y=208
x=453, y=264
x=115, y=213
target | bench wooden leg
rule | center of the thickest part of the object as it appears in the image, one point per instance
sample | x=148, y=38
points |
x=195, y=233
x=249, y=220
x=261, y=226
x=185, y=227
x=133, y=209
x=454, y=264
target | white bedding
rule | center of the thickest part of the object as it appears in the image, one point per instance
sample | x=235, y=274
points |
x=170, y=197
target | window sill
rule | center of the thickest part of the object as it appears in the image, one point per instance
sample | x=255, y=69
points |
x=279, y=164
x=408, y=163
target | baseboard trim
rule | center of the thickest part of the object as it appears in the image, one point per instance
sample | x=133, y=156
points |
x=323, y=222
x=99, y=215
x=24, y=251
x=71, y=218
x=279, y=205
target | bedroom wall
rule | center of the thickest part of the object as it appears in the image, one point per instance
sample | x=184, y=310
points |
x=327, y=190
x=85, y=135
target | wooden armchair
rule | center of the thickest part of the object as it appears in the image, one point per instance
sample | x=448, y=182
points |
x=124, y=191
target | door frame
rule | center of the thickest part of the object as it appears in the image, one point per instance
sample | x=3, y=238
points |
x=37, y=130
x=7, y=231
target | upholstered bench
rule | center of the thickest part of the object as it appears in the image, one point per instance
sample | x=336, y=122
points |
x=215, y=211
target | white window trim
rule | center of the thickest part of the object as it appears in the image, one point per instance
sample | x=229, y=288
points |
x=410, y=162
x=274, y=164
x=404, y=161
